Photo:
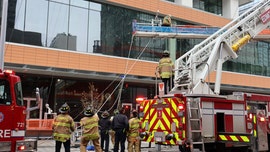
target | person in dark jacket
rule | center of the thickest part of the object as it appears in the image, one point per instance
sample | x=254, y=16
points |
x=104, y=127
x=120, y=126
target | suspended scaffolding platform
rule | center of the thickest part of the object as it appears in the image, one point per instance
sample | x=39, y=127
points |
x=154, y=29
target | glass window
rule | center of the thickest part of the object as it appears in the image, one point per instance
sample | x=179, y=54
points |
x=212, y=6
x=5, y=97
x=94, y=35
x=15, y=21
x=58, y=26
x=80, y=3
x=78, y=29
x=36, y=22
x=19, y=15
x=18, y=94
x=61, y=1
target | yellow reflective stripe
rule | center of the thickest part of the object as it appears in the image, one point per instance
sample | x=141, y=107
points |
x=146, y=108
x=255, y=133
x=88, y=126
x=64, y=124
x=168, y=123
x=61, y=135
x=184, y=134
x=234, y=138
x=244, y=138
x=153, y=119
x=184, y=120
x=222, y=137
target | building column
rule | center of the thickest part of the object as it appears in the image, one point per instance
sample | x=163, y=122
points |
x=230, y=8
x=172, y=48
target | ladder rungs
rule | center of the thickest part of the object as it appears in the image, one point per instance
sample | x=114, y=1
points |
x=196, y=130
x=195, y=119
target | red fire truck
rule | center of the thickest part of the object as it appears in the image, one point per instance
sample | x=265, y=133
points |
x=12, y=110
x=13, y=115
x=194, y=116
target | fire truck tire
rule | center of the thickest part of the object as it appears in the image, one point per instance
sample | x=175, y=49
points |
x=184, y=148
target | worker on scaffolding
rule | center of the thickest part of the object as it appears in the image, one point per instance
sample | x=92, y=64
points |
x=167, y=21
x=165, y=70
x=63, y=126
x=89, y=124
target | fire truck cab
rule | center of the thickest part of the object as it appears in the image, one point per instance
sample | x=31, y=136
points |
x=13, y=115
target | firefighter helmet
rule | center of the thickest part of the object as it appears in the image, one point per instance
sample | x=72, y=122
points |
x=166, y=52
x=64, y=108
x=89, y=112
x=135, y=113
x=105, y=114
x=116, y=111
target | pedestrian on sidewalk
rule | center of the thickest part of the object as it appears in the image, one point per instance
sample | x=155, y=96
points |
x=105, y=126
x=63, y=126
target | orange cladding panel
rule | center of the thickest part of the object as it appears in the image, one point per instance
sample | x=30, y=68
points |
x=22, y=54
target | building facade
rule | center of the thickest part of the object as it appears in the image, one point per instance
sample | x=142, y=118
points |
x=69, y=48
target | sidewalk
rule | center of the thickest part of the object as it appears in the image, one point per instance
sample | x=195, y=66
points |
x=49, y=146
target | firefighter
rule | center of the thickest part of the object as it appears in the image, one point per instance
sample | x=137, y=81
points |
x=63, y=126
x=105, y=125
x=167, y=21
x=165, y=69
x=133, y=132
x=89, y=124
x=120, y=126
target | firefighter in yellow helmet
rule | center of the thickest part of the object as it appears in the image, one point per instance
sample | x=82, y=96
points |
x=63, y=126
x=165, y=69
x=133, y=132
x=89, y=124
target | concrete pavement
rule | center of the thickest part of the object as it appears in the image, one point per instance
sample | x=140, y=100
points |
x=48, y=145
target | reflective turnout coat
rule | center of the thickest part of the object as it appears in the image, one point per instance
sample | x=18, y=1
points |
x=90, y=127
x=63, y=126
x=165, y=67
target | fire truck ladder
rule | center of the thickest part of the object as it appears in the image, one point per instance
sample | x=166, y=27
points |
x=194, y=66
x=194, y=119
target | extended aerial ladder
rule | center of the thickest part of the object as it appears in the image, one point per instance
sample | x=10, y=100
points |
x=194, y=66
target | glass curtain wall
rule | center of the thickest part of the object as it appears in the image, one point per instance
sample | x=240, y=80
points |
x=79, y=25
x=212, y=6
